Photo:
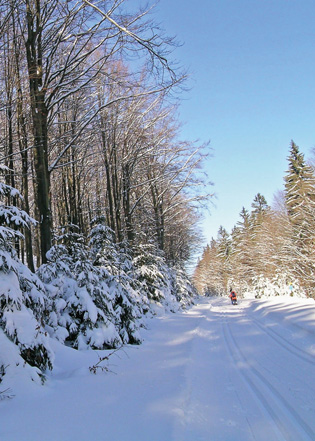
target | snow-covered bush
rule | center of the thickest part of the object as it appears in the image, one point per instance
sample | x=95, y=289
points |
x=82, y=309
x=281, y=284
x=23, y=302
x=128, y=307
x=183, y=288
x=115, y=266
x=152, y=272
x=162, y=284
x=92, y=307
x=103, y=249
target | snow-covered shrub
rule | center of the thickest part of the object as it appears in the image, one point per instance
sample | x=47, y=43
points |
x=183, y=288
x=23, y=302
x=23, y=307
x=151, y=271
x=162, y=284
x=281, y=284
x=115, y=265
x=128, y=308
x=91, y=306
x=103, y=249
x=82, y=309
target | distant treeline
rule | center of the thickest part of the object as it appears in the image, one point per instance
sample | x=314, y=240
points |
x=267, y=244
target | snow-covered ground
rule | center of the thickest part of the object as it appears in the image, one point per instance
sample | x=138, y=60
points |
x=216, y=372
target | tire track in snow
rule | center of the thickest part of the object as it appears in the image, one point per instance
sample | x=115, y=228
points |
x=292, y=367
x=222, y=316
x=284, y=343
x=305, y=355
x=260, y=397
x=266, y=394
x=295, y=380
x=185, y=411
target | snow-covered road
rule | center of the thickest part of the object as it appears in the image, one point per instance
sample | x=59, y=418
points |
x=216, y=372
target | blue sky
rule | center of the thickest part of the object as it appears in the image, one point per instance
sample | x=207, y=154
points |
x=252, y=90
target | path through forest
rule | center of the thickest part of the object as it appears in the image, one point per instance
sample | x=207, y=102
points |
x=216, y=372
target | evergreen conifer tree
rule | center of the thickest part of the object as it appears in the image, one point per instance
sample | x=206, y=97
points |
x=114, y=263
x=299, y=186
x=259, y=209
x=224, y=249
x=242, y=260
x=300, y=202
x=23, y=302
x=259, y=216
x=83, y=313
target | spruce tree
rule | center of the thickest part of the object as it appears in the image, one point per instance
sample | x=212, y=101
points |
x=299, y=186
x=260, y=215
x=260, y=207
x=223, y=254
x=300, y=202
x=24, y=305
x=82, y=314
x=242, y=244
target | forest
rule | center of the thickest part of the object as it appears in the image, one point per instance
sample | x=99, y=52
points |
x=271, y=249
x=99, y=195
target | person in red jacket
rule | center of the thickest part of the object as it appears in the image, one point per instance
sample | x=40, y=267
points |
x=233, y=297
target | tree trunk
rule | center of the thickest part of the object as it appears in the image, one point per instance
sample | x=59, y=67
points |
x=159, y=216
x=23, y=146
x=126, y=203
x=108, y=180
x=39, y=114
